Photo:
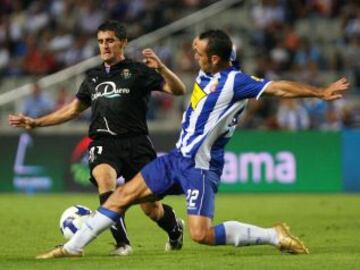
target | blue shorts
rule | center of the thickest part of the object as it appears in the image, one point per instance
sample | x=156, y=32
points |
x=173, y=174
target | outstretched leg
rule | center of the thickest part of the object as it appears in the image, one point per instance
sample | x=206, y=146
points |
x=242, y=234
x=135, y=191
x=200, y=198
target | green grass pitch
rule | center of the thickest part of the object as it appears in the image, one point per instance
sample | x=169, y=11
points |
x=329, y=224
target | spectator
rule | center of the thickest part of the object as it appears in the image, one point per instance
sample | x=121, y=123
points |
x=352, y=56
x=62, y=98
x=260, y=115
x=292, y=116
x=316, y=110
x=37, y=17
x=37, y=104
x=81, y=50
x=332, y=119
x=4, y=58
x=90, y=17
x=306, y=53
x=268, y=12
x=38, y=60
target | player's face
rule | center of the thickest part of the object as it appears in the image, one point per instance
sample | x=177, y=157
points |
x=111, y=48
x=204, y=61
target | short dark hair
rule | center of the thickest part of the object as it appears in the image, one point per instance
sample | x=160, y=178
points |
x=115, y=26
x=219, y=43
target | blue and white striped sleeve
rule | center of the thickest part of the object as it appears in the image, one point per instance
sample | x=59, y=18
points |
x=246, y=86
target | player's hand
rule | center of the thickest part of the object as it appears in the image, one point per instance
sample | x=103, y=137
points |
x=151, y=59
x=21, y=121
x=333, y=91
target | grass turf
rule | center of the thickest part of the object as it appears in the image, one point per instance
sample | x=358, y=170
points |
x=329, y=224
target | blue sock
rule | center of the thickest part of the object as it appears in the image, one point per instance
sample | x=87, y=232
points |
x=109, y=213
x=220, y=236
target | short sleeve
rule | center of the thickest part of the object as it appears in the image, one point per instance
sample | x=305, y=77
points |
x=153, y=81
x=83, y=94
x=246, y=86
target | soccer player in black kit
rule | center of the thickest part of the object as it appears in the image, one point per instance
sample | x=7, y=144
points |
x=118, y=92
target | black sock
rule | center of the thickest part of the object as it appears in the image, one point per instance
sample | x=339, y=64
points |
x=118, y=230
x=168, y=222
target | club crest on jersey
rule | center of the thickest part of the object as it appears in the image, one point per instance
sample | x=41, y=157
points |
x=125, y=74
x=213, y=86
x=197, y=95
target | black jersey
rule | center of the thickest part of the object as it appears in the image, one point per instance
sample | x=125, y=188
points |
x=119, y=98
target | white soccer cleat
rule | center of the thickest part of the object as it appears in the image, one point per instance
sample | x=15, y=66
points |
x=177, y=243
x=123, y=250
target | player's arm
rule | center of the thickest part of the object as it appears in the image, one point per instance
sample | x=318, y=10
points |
x=64, y=114
x=173, y=85
x=291, y=89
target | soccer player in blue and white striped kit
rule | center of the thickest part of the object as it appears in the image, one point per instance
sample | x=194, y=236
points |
x=194, y=167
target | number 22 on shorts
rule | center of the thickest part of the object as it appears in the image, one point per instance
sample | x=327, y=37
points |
x=191, y=197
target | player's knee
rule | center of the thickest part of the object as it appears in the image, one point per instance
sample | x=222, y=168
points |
x=105, y=184
x=199, y=235
x=120, y=199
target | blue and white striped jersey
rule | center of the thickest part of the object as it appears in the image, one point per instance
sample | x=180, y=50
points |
x=212, y=115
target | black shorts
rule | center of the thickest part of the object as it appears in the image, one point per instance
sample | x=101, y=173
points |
x=127, y=156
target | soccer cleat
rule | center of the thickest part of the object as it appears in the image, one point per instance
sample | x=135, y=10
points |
x=58, y=252
x=288, y=242
x=177, y=243
x=122, y=250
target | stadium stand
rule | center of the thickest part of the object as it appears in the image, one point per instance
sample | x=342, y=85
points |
x=312, y=41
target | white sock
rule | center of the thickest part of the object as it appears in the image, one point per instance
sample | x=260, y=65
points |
x=92, y=227
x=242, y=234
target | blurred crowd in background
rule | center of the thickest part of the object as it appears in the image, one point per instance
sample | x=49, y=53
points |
x=40, y=37
x=282, y=53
